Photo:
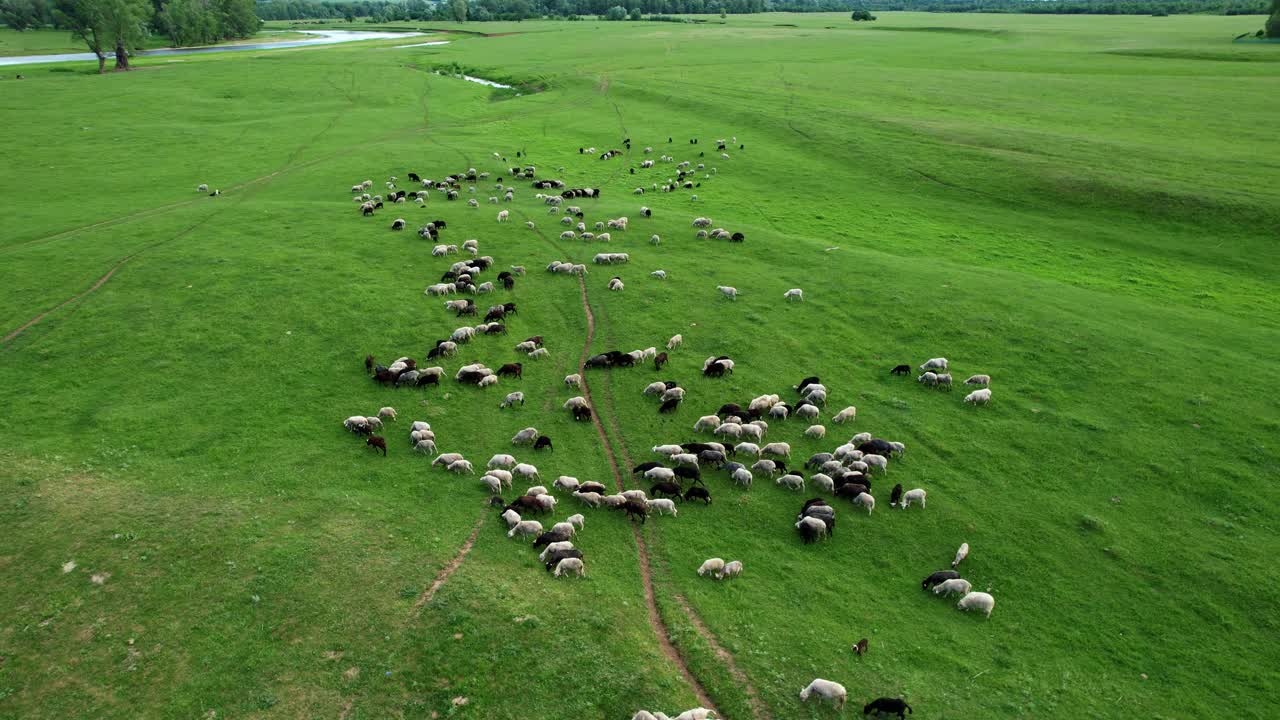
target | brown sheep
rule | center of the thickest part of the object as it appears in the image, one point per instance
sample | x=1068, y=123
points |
x=377, y=443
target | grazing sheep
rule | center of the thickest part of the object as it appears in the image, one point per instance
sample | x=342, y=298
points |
x=502, y=215
x=659, y=274
x=979, y=397
x=823, y=482
x=747, y=448
x=565, y=482
x=731, y=569
x=795, y=482
x=570, y=565
x=889, y=706
x=944, y=381
x=539, y=353
x=849, y=413
x=928, y=378
x=729, y=292
x=387, y=412
x=525, y=528
x=555, y=547
x=576, y=520
x=917, y=495
x=816, y=431
x=978, y=380
x=667, y=450
x=660, y=474
x=866, y=501
x=511, y=517
x=662, y=506
x=825, y=690
x=778, y=449
x=807, y=412
x=977, y=601
x=742, y=476
x=675, y=342
x=794, y=294
x=655, y=240
x=860, y=647
x=954, y=585
x=356, y=424
x=712, y=566
x=935, y=364
x=494, y=484
x=574, y=380
x=616, y=285
x=525, y=470
x=768, y=467
x=487, y=380
x=700, y=713
x=590, y=498
x=878, y=461
x=961, y=554
x=461, y=466
x=500, y=460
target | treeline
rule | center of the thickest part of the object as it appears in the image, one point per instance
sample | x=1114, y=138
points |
x=1077, y=7
x=99, y=22
x=483, y=10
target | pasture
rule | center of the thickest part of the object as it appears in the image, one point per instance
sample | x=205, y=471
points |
x=1082, y=207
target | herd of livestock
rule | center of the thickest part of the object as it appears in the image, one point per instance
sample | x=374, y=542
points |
x=739, y=451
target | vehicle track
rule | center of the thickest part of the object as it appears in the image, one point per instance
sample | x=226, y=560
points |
x=447, y=570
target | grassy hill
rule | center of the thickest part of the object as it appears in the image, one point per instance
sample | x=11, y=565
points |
x=1082, y=207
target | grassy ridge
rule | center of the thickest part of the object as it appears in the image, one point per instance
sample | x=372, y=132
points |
x=1090, y=228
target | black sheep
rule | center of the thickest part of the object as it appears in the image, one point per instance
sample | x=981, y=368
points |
x=427, y=380
x=817, y=459
x=811, y=502
x=549, y=537
x=730, y=409
x=692, y=474
x=665, y=488
x=938, y=577
x=645, y=466
x=377, y=443
x=554, y=558
x=659, y=360
x=901, y=370
x=811, y=380
x=543, y=443
x=892, y=706
x=895, y=496
x=525, y=503
x=669, y=406
x=808, y=533
x=581, y=414
x=635, y=509
x=876, y=446
x=594, y=487
x=697, y=493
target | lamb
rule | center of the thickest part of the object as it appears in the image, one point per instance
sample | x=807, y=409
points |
x=825, y=690
x=860, y=438
x=654, y=388
x=446, y=459
x=912, y=495
x=488, y=380
x=729, y=292
x=979, y=397
x=891, y=706
x=654, y=240
x=977, y=601
x=574, y=380
x=662, y=506
x=795, y=482
x=866, y=501
x=494, y=484
x=712, y=566
x=702, y=222
x=731, y=569
x=525, y=528
x=961, y=554
x=850, y=413
x=954, y=585
x=675, y=342
x=570, y=565
x=794, y=294
x=387, y=412
x=978, y=380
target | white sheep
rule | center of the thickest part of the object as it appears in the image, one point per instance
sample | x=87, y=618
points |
x=779, y=412
x=793, y=294
x=655, y=240
x=712, y=566
x=539, y=353
x=699, y=713
x=675, y=393
x=589, y=498
x=576, y=520
x=667, y=450
x=742, y=476
x=577, y=401
x=878, y=461
x=706, y=422
x=502, y=215
x=825, y=690
x=461, y=466
x=512, y=518
x=616, y=285
x=916, y=495
x=808, y=412
x=564, y=528
x=733, y=430
x=574, y=380
x=934, y=364
x=446, y=459
x=823, y=482
x=660, y=474
x=768, y=467
x=493, y=483
x=977, y=601
x=685, y=459
x=501, y=460
x=420, y=425
x=731, y=569
x=637, y=495
x=978, y=380
x=504, y=475
x=746, y=448
x=754, y=430
x=954, y=585
x=866, y=501
x=928, y=378
x=488, y=380
x=727, y=291
x=662, y=506
x=815, y=431
x=898, y=448
x=570, y=565
x=794, y=482
x=780, y=449
x=850, y=413
x=526, y=528
x=979, y=397
x=702, y=222
x=525, y=470
x=659, y=274
x=536, y=490
x=655, y=388
x=566, y=482
x=356, y=424
x=510, y=399
x=961, y=554
x=555, y=547
x=860, y=438
x=425, y=445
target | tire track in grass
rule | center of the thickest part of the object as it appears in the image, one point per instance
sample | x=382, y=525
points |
x=759, y=709
x=445, y=572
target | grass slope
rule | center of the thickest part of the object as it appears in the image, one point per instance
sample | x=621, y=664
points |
x=1080, y=206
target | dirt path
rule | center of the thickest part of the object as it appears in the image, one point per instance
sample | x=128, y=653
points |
x=447, y=570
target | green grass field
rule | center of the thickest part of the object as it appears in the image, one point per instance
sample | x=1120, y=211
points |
x=1084, y=208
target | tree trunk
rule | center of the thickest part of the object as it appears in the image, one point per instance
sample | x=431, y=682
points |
x=102, y=63
x=122, y=57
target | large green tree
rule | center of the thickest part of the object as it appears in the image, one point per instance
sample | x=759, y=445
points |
x=106, y=25
x=458, y=8
x=21, y=14
x=1273, y=23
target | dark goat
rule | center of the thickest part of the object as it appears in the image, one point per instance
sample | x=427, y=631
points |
x=892, y=706
x=471, y=377
x=938, y=577
x=812, y=502
x=509, y=308
x=669, y=406
x=697, y=493
x=901, y=370
x=377, y=443
x=711, y=457
x=512, y=369
x=581, y=414
x=696, y=447
x=543, y=443
x=808, y=534
x=496, y=329
x=495, y=314
x=659, y=360
x=895, y=496
x=635, y=509
x=850, y=490
x=737, y=237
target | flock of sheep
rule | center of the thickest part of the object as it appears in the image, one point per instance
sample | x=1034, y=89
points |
x=845, y=473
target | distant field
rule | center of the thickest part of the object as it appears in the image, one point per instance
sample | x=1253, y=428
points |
x=1082, y=207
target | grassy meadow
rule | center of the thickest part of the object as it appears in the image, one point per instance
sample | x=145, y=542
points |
x=1084, y=208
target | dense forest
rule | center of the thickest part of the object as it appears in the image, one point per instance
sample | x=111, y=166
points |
x=126, y=23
